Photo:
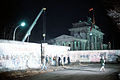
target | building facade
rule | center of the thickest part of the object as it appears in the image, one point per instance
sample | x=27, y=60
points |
x=81, y=37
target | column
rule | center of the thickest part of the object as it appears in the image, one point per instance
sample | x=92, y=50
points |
x=82, y=45
x=92, y=42
x=78, y=45
x=62, y=43
x=88, y=38
x=71, y=45
x=65, y=44
x=101, y=46
x=95, y=43
x=101, y=42
x=75, y=47
x=98, y=43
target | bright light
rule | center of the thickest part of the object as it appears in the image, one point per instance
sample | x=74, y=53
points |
x=90, y=33
x=23, y=24
x=44, y=35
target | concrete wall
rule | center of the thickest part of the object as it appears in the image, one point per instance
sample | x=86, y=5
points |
x=93, y=55
x=16, y=55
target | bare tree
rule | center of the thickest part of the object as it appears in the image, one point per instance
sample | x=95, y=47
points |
x=113, y=9
x=115, y=16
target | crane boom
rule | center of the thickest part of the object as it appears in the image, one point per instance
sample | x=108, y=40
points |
x=33, y=24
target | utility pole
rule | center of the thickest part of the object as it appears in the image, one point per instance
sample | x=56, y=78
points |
x=44, y=36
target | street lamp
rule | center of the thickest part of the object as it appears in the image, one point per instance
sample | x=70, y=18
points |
x=22, y=24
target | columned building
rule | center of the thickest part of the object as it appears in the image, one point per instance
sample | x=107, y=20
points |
x=81, y=37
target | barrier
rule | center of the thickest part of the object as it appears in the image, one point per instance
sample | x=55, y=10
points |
x=93, y=55
x=16, y=55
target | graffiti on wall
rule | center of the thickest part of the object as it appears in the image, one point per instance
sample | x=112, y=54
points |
x=19, y=56
x=93, y=56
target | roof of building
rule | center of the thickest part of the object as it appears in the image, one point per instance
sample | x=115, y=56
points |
x=80, y=24
x=65, y=38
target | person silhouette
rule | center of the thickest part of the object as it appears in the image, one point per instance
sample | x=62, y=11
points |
x=102, y=61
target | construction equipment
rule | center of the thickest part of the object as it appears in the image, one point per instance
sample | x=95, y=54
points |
x=33, y=24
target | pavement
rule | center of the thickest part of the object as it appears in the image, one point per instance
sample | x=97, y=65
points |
x=29, y=72
x=75, y=66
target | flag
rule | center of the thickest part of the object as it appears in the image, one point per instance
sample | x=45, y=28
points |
x=93, y=20
x=90, y=9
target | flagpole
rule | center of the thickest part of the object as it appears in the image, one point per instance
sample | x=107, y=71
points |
x=93, y=18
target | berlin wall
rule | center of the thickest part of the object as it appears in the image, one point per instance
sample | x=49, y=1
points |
x=93, y=55
x=17, y=55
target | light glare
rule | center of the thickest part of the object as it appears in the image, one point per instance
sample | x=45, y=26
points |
x=23, y=24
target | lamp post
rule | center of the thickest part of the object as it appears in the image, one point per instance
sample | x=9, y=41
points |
x=22, y=24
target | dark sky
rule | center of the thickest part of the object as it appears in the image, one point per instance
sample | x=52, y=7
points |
x=60, y=15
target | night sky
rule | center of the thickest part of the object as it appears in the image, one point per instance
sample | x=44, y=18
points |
x=60, y=15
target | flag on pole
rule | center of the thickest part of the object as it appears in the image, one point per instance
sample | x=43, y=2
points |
x=93, y=19
x=90, y=9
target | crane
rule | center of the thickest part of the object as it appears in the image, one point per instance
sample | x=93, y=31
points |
x=33, y=24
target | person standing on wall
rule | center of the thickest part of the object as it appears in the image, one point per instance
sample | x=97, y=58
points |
x=102, y=61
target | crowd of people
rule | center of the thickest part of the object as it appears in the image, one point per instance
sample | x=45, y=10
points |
x=62, y=60
x=55, y=61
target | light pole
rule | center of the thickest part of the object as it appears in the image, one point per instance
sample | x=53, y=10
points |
x=22, y=24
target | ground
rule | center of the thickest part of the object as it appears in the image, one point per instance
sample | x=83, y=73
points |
x=72, y=72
